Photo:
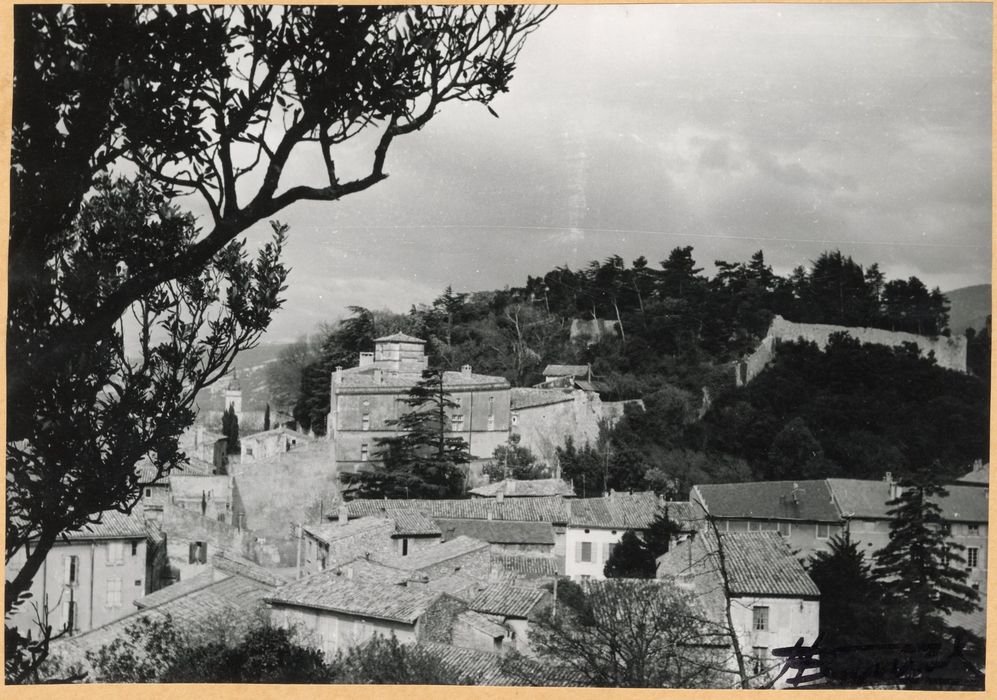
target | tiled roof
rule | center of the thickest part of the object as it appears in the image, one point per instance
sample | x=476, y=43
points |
x=618, y=510
x=552, y=510
x=526, y=563
x=406, y=380
x=566, y=371
x=113, y=525
x=683, y=514
x=363, y=569
x=774, y=500
x=328, y=590
x=177, y=590
x=498, y=531
x=482, y=624
x=514, y=488
x=413, y=523
x=147, y=470
x=234, y=564
x=521, y=397
x=867, y=499
x=484, y=668
x=399, y=338
x=977, y=476
x=434, y=554
x=758, y=564
x=457, y=584
x=332, y=532
x=509, y=601
x=586, y=385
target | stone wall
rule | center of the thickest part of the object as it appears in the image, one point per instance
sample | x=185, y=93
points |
x=950, y=353
x=437, y=623
x=476, y=564
x=184, y=528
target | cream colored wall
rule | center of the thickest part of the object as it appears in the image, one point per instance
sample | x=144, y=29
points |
x=600, y=539
x=330, y=631
x=789, y=620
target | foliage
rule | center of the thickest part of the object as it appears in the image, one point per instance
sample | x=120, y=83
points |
x=385, y=660
x=512, y=461
x=423, y=460
x=622, y=633
x=630, y=559
x=230, y=429
x=921, y=567
x=266, y=418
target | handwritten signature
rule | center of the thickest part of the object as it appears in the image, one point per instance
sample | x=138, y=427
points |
x=906, y=662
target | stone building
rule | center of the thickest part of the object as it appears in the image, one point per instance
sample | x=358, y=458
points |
x=268, y=444
x=366, y=400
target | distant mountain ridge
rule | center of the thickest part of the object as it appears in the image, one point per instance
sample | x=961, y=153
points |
x=970, y=307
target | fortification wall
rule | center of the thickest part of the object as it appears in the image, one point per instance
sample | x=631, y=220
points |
x=949, y=353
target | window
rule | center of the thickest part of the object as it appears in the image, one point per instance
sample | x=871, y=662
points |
x=785, y=529
x=365, y=422
x=457, y=422
x=148, y=493
x=609, y=550
x=491, y=406
x=249, y=451
x=115, y=553
x=364, y=452
x=134, y=548
x=760, y=617
x=198, y=553
x=823, y=531
x=138, y=582
x=973, y=530
x=583, y=551
x=759, y=656
x=405, y=546
x=973, y=557
x=70, y=569
x=114, y=592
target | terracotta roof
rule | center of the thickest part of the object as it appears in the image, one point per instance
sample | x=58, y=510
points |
x=526, y=563
x=618, y=510
x=867, y=499
x=482, y=624
x=520, y=397
x=498, y=531
x=552, y=509
x=399, y=338
x=526, y=488
x=484, y=668
x=566, y=371
x=413, y=523
x=332, y=532
x=509, y=601
x=682, y=513
x=758, y=564
x=147, y=470
x=177, y=590
x=772, y=500
x=328, y=590
x=113, y=525
x=234, y=564
x=434, y=554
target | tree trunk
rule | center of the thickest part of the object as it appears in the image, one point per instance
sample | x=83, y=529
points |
x=22, y=581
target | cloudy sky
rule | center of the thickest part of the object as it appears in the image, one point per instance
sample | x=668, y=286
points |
x=635, y=129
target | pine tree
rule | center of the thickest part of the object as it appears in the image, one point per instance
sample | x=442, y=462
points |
x=922, y=569
x=630, y=559
x=423, y=460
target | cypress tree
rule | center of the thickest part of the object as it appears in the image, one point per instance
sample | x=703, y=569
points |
x=266, y=418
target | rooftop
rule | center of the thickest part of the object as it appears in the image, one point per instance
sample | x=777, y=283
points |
x=758, y=564
x=276, y=431
x=580, y=371
x=399, y=338
x=331, y=532
x=521, y=397
x=435, y=554
x=192, y=486
x=516, y=488
x=112, y=526
x=526, y=563
x=482, y=624
x=979, y=475
x=410, y=522
x=498, y=531
x=486, y=668
x=859, y=498
x=329, y=590
x=618, y=510
x=147, y=470
x=551, y=509
x=772, y=500
x=508, y=601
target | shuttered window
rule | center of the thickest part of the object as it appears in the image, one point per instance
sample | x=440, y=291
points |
x=583, y=551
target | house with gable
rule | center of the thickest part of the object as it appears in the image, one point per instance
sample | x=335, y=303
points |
x=804, y=512
x=513, y=607
x=773, y=601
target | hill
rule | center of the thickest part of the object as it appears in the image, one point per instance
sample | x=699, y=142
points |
x=970, y=307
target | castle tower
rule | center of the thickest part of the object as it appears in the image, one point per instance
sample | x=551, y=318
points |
x=233, y=396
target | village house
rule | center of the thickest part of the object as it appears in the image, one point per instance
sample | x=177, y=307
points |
x=155, y=490
x=512, y=607
x=329, y=544
x=469, y=557
x=523, y=569
x=979, y=475
x=804, y=512
x=336, y=612
x=91, y=577
x=502, y=534
x=773, y=601
x=207, y=494
x=596, y=526
x=367, y=399
x=267, y=444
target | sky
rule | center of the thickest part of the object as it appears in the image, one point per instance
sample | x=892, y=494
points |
x=631, y=130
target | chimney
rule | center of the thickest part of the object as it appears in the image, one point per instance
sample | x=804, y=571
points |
x=888, y=477
x=378, y=375
x=339, y=374
x=465, y=370
x=344, y=514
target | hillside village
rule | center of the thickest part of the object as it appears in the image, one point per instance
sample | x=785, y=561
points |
x=276, y=529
